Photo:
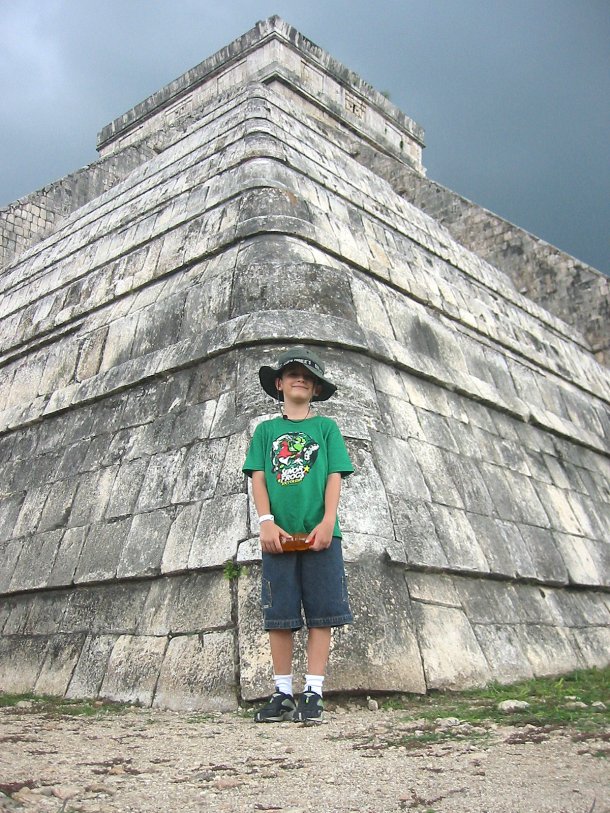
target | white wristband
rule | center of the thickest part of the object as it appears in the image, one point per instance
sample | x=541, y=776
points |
x=266, y=518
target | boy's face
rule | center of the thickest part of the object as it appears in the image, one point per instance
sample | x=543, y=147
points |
x=297, y=383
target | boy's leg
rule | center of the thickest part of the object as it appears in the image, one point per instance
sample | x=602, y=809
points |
x=310, y=706
x=318, y=647
x=281, y=705
x=280, y=642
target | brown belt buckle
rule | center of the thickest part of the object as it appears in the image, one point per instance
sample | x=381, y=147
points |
x=296, y=543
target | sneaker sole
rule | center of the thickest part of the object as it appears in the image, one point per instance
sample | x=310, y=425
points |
x=309, y=720
x=283, y=718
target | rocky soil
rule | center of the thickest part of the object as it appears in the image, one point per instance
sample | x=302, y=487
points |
x=361, y=760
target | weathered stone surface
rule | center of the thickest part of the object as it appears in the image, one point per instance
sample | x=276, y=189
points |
x=133, y=669
x=477, y=520
x=198, y=673
x=21, y=660
x=60, y=659
x=91, y=667
x=451, y=661
x=504, y=652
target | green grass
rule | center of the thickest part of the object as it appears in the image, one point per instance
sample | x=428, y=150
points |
x=547, y=698
x=57, y=706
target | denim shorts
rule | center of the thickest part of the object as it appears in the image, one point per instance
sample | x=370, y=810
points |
x=313, y=580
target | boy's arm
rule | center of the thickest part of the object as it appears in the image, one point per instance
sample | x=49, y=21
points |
x=270, y=533
x=322, y=534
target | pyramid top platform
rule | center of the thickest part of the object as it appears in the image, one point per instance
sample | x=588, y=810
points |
x=276, y=54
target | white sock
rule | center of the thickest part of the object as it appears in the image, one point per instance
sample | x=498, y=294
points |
x=314, y=682
x=283, y=683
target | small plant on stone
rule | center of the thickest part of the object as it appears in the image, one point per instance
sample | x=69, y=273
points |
x=232, y=570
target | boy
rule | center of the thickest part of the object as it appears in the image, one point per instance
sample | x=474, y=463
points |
x=296, y=462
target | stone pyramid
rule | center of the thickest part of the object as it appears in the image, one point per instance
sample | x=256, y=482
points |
x=230, y=215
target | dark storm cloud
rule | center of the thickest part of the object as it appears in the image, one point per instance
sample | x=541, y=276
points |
x=514, y=96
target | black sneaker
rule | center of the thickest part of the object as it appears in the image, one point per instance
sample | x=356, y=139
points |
x=310, y=708
x=279, y=708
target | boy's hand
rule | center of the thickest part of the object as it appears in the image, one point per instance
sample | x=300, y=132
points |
x=322, y=535
x=271, y=537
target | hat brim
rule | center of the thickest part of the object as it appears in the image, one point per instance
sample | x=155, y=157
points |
x=268, y=375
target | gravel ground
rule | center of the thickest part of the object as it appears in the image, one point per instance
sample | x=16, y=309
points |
x=357, y=760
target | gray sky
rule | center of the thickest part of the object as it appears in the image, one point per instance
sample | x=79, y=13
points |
x=514, y=95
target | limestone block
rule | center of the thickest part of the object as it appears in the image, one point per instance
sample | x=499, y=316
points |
x=152, y=438
x=592, y=643
x=364, y=505
x=126, y=488
x=102, y=550
x=91, y=667
x=451, y=654
x=363, y=546
x=415, y=528
x=458, y=539
x=186, y=604
x=579, y=608
x=207, y=302
x=92, y=496
x=200, y=470
x=198, y=673
x=103, y=609
x=193, y=423
x=223, y=524
x=549, y=650
x=589, y=520
x=158, y=325
x=10, y=509
x=543, y=549
x=35, y=561
x=44, y=612
x=436, y=430
x=231, y=479
x=20, y=662
x=17, y=616
x=369, y=306
x=59, y=502
x=180, y=538
x=143, y=549
x=119, y=340
x=437, y=477
x=558, y=509
x=398, y=468
x=380, y=649
x=133, y=669
x=533, y=604
x=528, y=507
x=426, y=395
x=487, y=601
x=159, y=480
x=499, y=491
x=90, y=354
x=433, y=588
x=469, y=483
x=403, y=418
x=297, y=325
x=60, y=660
x=279, y=286
x=503, y=652
x=580, y=559
x=503, y=546
x=6, y=606
x=10, y=552
x=60, y=367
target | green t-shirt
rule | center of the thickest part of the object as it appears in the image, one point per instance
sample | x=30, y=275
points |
x=297, y=457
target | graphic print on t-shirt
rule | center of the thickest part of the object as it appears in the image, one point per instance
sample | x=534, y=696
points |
x=292, y=456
